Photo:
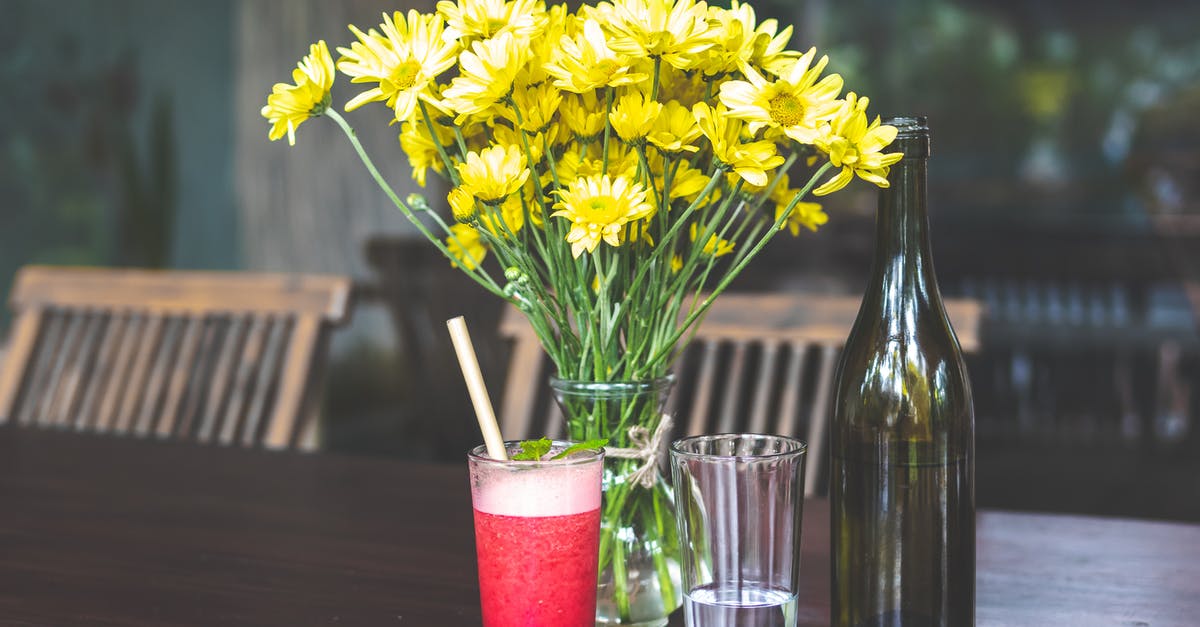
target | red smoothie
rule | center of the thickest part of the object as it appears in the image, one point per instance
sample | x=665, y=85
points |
x=537, y=538
x=538, y=571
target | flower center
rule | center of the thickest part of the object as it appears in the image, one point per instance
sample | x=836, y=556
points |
x=607, y=67
x=601, y=210
x=404, y=75
x=494, y=24
x=786, y=110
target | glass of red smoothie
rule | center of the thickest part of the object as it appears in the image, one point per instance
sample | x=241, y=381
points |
x=537, y=536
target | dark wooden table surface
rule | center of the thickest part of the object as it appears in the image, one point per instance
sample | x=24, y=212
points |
x=101, y=531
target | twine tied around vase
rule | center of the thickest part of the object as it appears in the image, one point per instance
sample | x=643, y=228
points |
x=646, y=447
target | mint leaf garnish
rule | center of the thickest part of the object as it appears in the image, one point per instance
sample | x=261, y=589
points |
x=532, y=450
x=582, y=446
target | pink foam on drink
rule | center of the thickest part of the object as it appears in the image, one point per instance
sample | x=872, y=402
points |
x=563, y=491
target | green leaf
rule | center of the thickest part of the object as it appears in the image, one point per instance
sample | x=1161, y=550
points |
x=582, y=446
x=532, y=450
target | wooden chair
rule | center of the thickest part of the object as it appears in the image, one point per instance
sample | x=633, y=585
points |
x=224, y=357
x=421, y=290
x=759, y=363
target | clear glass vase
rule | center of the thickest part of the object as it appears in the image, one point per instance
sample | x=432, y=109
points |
x=639, y=581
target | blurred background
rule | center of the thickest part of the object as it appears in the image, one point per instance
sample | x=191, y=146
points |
x=1064, y=193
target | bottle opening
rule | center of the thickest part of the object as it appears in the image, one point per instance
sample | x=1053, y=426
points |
x=912, y=137
x=909, y=125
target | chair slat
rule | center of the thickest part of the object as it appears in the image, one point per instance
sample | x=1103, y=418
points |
x=200, y=379
x=23, y=336
x=702, y=396
x=106, y=418
x=293, y=380
x=252, y=354
x=793, y=380
x=268, y=377
x=164, y=354
x=177, y=377
x=731, y=404
x=182, y=293
x=555, y=425
x=819, y=417
x=69, y=331
x=41, y=360
x=223, y=385
x=136, y=385
x=763, y=387
x=80, y=359
x=517, y=410
x=110, y=329
x=65, y=368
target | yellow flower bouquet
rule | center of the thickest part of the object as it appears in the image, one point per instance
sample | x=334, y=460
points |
x=623, y=163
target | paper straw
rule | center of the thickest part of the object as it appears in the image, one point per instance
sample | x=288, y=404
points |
x=479, y=394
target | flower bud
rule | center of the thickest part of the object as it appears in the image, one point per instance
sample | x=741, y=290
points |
x=416, y=202
x=462, y=206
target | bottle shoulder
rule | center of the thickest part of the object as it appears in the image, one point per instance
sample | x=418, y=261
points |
x=904, y=380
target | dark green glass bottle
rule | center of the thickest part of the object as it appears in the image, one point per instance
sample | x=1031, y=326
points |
x=902, y=490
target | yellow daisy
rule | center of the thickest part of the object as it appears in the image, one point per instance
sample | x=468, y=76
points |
x=856, y=147
x=585, y=62
x=797, y=102
x=714, y=247
x=289, y=106
x=633, y=117
x=574, y=164
x=507, y=137
x=583, y=114
x=537, y=105
x=751, y=160
x=686, y=87
x=769, y=50
x=742, y=43
x=686, y=182
x=674, y=130
x=622, y=159
x=510, y=211
x=403, y=61
x=487, y=72
x=599, y=207
x=467, y=247
x=470, y=20
x=494, y=173
x=559, y=22
x=733, y=42
x=676, y=31
x=809, y=215
x=422, y=152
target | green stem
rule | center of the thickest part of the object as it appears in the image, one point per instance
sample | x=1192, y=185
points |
x=451, y=171
x=657, y=74
x=733, y=272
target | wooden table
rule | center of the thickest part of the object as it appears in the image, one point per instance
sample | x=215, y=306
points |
x=102, y=531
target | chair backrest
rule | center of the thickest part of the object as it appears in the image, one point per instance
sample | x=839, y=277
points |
x=759, y=363
x=224, y=357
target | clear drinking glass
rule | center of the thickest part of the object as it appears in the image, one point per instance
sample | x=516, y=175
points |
x=739, y=498
x=537, y=537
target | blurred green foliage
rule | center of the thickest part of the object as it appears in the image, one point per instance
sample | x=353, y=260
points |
x=80, y=183
x=1039, y=109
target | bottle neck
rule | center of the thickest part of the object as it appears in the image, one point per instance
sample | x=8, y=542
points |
x=903, y=274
